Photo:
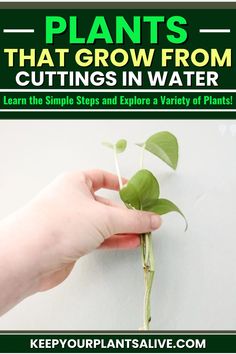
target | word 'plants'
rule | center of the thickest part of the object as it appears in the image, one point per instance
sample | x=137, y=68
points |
x=142, y=192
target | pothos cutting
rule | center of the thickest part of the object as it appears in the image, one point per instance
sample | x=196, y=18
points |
x=142, y=192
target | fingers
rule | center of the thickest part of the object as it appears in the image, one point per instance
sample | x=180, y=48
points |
x=103, y=179
x=131, y=221
x=124, y=241
x=108, y=202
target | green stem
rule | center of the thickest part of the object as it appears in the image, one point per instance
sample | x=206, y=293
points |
x=148, y=267
x=151, y=276
x=142, y=242
x=147, y=249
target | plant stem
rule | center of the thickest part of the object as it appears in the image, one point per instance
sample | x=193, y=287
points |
x=148, y=267
x=118, y=168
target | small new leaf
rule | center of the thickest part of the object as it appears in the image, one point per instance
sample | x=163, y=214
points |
x=164, y=206
x=140, y=189
x=165, y=146
x=121, y=146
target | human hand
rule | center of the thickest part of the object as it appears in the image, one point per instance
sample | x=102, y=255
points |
x=68, y=220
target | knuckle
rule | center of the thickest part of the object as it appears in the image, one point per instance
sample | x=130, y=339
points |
x=95, y=171
x=72, y=176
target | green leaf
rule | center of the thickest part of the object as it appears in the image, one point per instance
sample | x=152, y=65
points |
x=165, y=146
x=121, y=145
x=164, y=206
x=140, y=189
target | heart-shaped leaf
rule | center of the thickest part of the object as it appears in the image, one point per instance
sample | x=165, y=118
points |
x=140, y=189
x=165, y=146
x=164, y=206
x=119, y=147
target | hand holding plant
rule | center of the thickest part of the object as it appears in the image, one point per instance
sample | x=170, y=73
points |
x=41, y=242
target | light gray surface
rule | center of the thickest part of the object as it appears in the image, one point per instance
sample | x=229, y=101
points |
x=195, y=284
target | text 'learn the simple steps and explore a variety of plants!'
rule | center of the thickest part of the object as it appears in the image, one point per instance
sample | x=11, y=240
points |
x=142, y=192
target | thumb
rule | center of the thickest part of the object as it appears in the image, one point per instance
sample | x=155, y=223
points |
x=132, y=221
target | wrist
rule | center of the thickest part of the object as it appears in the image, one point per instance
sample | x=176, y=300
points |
x=22, y=258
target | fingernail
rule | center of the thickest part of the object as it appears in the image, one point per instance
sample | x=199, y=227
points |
x=155, y=222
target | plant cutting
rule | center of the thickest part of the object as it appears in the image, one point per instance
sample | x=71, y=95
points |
x=142, y=192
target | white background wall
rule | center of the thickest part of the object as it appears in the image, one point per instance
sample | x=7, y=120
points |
x=195, y=283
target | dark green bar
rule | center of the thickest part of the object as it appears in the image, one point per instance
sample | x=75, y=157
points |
x=204, y=15
x=171, y=343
